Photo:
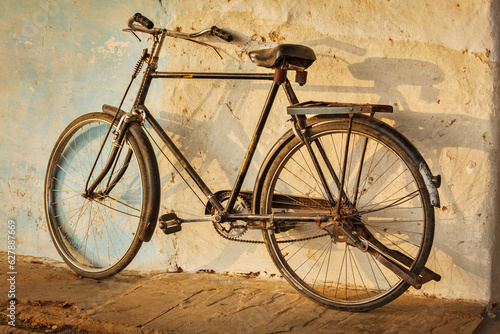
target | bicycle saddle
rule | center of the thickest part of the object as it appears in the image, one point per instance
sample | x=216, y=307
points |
x=286, y=56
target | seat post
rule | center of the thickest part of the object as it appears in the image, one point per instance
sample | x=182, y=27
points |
x=280, y=75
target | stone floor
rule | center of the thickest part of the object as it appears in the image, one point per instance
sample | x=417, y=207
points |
x=51, y=299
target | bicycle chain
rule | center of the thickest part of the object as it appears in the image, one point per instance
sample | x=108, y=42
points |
x=261, y=242
x=237, y=239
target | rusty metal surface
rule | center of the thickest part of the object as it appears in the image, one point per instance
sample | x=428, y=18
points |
x=319, y=107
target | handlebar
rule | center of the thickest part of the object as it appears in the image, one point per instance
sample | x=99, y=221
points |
x=221, y=34
x=138, y=17
x=145, y=25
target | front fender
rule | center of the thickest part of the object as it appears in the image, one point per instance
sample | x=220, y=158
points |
x=151, y=207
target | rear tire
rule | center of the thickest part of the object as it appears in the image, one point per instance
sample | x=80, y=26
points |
x=392, y=206
x=98, y=237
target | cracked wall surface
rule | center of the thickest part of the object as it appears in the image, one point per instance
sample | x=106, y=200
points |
x=436, y=63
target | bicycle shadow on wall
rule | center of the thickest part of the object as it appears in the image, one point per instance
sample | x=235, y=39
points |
x=416, y=73
x=434, y=135
x=387, y=75
x=194, y=134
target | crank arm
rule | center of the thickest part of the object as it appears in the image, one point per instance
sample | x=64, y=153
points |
x=170, y=223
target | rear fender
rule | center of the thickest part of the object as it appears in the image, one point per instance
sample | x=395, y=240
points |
x=431, y=182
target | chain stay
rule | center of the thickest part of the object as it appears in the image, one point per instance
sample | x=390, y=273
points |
x=248, y=198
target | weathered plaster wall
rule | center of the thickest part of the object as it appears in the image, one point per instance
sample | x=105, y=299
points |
x=495, y=228
x=58, y=59
x=434, y=61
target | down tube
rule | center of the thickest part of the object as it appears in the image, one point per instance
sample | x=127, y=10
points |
x=183, y=161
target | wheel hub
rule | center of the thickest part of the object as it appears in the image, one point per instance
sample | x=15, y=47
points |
x=347, y=218
x=99, y=196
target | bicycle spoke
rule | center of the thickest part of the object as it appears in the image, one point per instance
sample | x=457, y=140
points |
x=309, y=259
x=392, y=204
x=308, y=239
x=322, y=263
x=382, y=202
x=120, y=211
x=300, y=193
x=340, y=271
x=318, y=183
x=305, y=183
x=97, y=232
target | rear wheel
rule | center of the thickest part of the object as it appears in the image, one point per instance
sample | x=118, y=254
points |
x=386, y=204
x=97, y=237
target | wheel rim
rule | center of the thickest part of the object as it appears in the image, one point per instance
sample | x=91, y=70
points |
x=389, y=206
x=93, y=235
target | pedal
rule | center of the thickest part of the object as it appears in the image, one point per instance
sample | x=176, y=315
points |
x=169, y=223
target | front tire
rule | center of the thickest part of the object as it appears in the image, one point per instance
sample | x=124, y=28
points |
x=98, y=237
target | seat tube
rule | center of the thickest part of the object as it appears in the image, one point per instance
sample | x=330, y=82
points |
x=279, y=78
x=290, y=94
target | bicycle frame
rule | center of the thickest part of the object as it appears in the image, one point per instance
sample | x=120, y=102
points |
x=343, y=227
x=278, y=78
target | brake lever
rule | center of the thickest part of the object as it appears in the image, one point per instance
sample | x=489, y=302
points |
x=132, y=32
x=205, y=44
x=189, y=38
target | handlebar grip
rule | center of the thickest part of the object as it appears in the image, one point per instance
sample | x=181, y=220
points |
x=221, y=34
x=143, y=20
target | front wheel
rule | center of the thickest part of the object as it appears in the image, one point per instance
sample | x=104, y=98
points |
x=98, y=236
x=385, y=204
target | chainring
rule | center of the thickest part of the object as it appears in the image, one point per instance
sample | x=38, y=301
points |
x=232, y=230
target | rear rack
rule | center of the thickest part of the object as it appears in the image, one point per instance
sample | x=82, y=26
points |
x=317, y=107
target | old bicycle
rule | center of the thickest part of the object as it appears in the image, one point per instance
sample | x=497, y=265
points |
x=344, y=201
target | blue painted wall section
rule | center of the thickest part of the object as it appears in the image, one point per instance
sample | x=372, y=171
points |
x=59, y=59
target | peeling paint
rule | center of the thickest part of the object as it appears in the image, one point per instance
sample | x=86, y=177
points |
x=470, y=166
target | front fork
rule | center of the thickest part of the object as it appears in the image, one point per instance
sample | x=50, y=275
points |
x=119, y=136
x=112, y=163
